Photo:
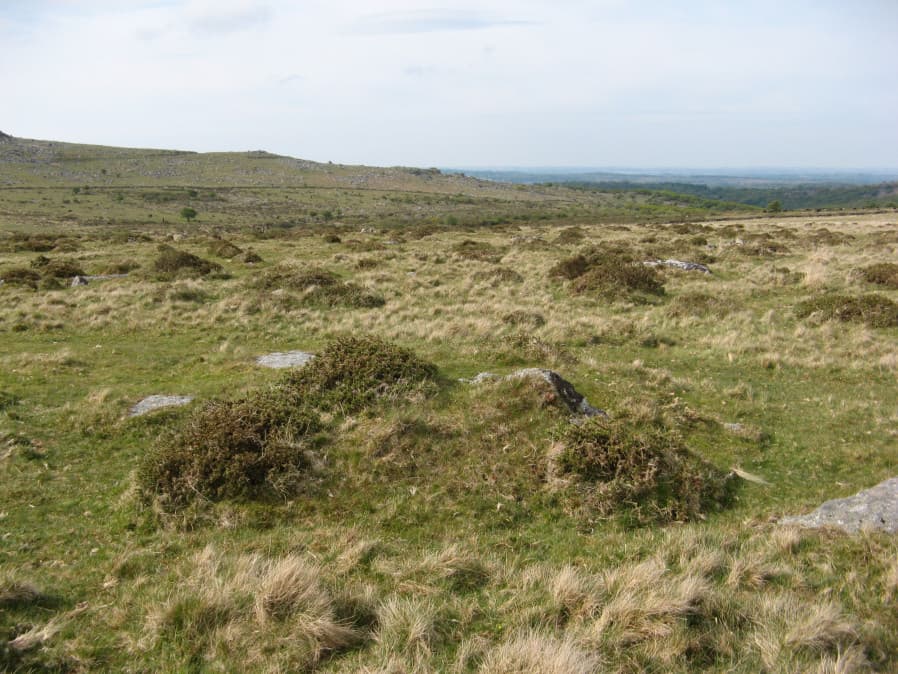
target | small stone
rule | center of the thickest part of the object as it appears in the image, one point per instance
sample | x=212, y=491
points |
x=573, y=399
x=285, y=359
x=156, y=402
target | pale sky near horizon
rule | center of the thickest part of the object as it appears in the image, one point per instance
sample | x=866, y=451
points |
x=701, y=83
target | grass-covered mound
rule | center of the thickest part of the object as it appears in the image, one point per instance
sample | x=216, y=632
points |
x=174, y=263
x=260, y=445
x=642, y=472
x=874, y=310
x=320, y=288
x=613, y=273
x=224, y=248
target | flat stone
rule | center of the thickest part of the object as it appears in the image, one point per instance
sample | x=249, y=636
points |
x=875, y=508
x=678, y=264
x=156, y=402
x=283, y=359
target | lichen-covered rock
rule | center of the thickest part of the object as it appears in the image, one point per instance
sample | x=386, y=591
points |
x=678, y=264
x=156, y=402
x=285, y=359
x=875, y=508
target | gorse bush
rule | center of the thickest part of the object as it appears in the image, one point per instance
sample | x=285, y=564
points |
x=641, y=472
x=245, y=448
x=224, y=248
x=352, y=372
x=613, y=271
x=321, y=288
x=874, y=310
x=261, y=445
x=59, y=268
x=884, y=274
x=173, y=262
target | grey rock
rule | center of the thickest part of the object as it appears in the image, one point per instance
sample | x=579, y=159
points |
x=280, y=360
x=678, y=264
x=573, y=399
x=156, y=402
x=84, y=280
x=875, y=508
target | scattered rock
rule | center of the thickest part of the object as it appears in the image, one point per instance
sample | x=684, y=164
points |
x=573, y=399
x=678, y=264
x=280, y=360
x=83, y=280
x=156, y=402
x=875, y=508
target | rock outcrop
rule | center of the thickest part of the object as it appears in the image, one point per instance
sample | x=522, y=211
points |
x=875, y=508
x=678, y=264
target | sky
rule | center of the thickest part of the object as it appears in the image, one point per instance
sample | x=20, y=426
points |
x=654, y=83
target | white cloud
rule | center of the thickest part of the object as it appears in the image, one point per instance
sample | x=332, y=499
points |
x=491, y=82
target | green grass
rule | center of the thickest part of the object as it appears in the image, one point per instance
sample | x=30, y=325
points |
x=428, y=531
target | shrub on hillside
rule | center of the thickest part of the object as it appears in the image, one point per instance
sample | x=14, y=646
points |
x=223, y=248
x=641, y=472
x=352, y=372
x=173, y=262
x=58, y=268
x=884, y=274
x=245, y=448
x=874, y=310
x=321, y=288
x=20, y=276
x=477, y=250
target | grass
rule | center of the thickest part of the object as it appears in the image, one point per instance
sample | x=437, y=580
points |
x=372, y=513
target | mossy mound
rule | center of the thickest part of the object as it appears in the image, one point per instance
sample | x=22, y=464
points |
x=874, y=310
x=884, y=274
x=642, y=473
x=178, y=263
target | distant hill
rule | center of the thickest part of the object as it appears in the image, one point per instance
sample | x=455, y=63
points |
x=793, y=189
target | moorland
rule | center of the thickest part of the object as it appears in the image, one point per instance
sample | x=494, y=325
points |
x=382, y=508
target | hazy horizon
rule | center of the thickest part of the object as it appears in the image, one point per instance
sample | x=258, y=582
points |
x=529, y=84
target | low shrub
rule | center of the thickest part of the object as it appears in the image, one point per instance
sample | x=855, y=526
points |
x=223, y=248
x=499, y=276
x=615, y=280
x=246, y=448
x=874, y=310
x=523, y=318
x=352, y=372
x=173, y=262
x=570, y=235
x=250, y=257
x=331, y=238
x=641, y=472
x=20, y=276
x=884, y=274
x=59, y=268
x=477, y=250
x=322, y=288
x=290, y=278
